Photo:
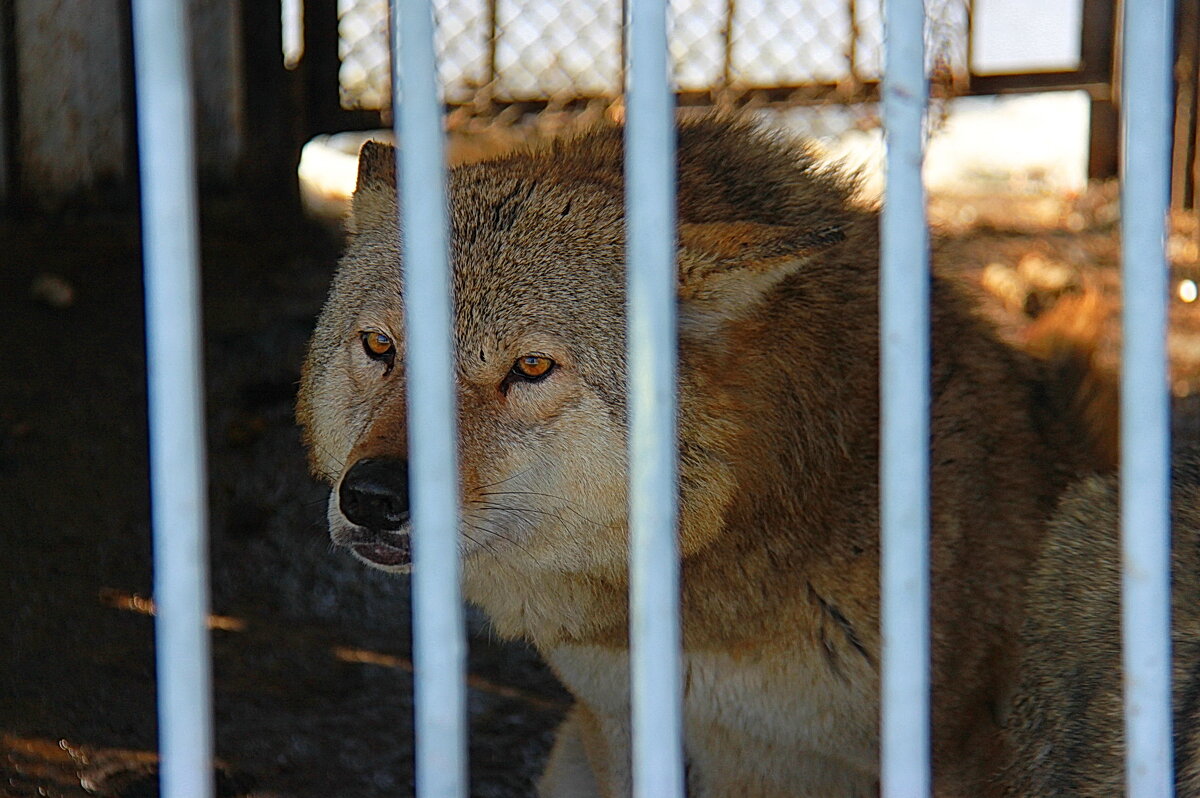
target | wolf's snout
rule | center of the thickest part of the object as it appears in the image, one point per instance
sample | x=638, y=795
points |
x=374, y=493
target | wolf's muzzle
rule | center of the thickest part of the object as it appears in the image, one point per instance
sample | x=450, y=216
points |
x=374, y=493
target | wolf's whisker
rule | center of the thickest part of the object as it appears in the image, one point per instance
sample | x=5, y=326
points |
x=478, y=527
x=566, y=503
x=517, y=509
x=506, y=479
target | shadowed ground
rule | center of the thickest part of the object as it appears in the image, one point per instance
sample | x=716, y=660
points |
x=313, y=681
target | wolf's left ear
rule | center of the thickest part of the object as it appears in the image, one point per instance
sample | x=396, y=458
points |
x=376, y=166
x=374, y=200
x=725, y=268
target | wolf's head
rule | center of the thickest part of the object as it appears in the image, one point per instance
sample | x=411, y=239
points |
x=537, y=251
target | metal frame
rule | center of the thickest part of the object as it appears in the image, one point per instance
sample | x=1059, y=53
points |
x=1094, y=75
x=177, y=428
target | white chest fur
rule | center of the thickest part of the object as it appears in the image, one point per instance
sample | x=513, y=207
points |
x=756, y=724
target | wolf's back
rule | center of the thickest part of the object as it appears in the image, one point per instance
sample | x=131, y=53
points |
x=1067, y=720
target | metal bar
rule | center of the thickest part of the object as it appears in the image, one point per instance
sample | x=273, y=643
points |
x=176, y=406
x=727, y=45
x=439, y=645
x=493, y=46
x=852, y=43
x=970, y=40
x=1183, y=155
x=1145, y=407
x=654, y=552
x=904, y=394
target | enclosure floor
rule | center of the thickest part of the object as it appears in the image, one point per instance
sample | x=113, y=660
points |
x=311, y=650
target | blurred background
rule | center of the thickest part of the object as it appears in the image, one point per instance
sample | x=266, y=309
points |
x=312, y=668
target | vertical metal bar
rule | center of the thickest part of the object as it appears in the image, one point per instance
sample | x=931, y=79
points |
x=654, y=551
x=493, y=46
x=970, y=55
x=439, y=645
x=904, y=394
x=176, y=406
x=727, y=46
x=852, y=45
x=1145, y=408
x=1183, y=153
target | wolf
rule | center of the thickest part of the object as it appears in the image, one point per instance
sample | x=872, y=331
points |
x=1065, y=730
x=778, y=456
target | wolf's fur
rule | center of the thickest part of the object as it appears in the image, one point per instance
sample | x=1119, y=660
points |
x=778, y=439
x=1067, y=722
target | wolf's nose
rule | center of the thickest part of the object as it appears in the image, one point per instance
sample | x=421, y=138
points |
x=374, y=493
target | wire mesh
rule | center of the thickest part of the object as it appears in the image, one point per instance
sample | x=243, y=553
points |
x=540, y=55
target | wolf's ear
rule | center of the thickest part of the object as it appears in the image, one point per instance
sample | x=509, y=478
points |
x=376, y=166
x=725, y=268
x=374, y=200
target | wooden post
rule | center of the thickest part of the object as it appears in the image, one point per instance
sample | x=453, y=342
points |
x=1187, y=78
x=1096, y=54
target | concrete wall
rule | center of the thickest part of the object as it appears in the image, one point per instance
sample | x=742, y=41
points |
x=74, y=127
x=72, y=104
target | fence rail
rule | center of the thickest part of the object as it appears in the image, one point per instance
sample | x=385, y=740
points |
x=177, y=421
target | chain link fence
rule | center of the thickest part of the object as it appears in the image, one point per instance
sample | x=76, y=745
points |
x=506, y=58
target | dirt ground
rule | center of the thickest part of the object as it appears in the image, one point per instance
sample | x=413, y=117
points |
x=311, y=649
x=313, y=677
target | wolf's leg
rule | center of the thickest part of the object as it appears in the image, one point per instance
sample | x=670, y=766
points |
x=568, y=772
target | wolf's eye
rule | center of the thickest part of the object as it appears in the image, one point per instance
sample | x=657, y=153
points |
x=532, y=368
x=379, y=347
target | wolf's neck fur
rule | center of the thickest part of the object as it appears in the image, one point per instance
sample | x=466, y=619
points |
x=785, y=407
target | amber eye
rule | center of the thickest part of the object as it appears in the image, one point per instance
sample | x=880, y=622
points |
x=378, y=346
x=532, y=367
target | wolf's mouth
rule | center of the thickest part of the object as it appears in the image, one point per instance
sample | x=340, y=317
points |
x=397, y=553
x=395, y=550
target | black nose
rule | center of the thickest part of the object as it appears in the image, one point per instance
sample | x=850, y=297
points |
x=374, y=493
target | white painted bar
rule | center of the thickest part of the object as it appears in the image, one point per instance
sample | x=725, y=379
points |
x=904, y=410
x=1145, y=406
x=178, y=481
x=654, y=550
x=439, y=637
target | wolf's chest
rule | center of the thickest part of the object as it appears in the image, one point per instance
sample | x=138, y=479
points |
x=787, y=700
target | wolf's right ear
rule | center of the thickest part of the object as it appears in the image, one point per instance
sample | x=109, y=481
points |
x=374, y=200
x=726, y=268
